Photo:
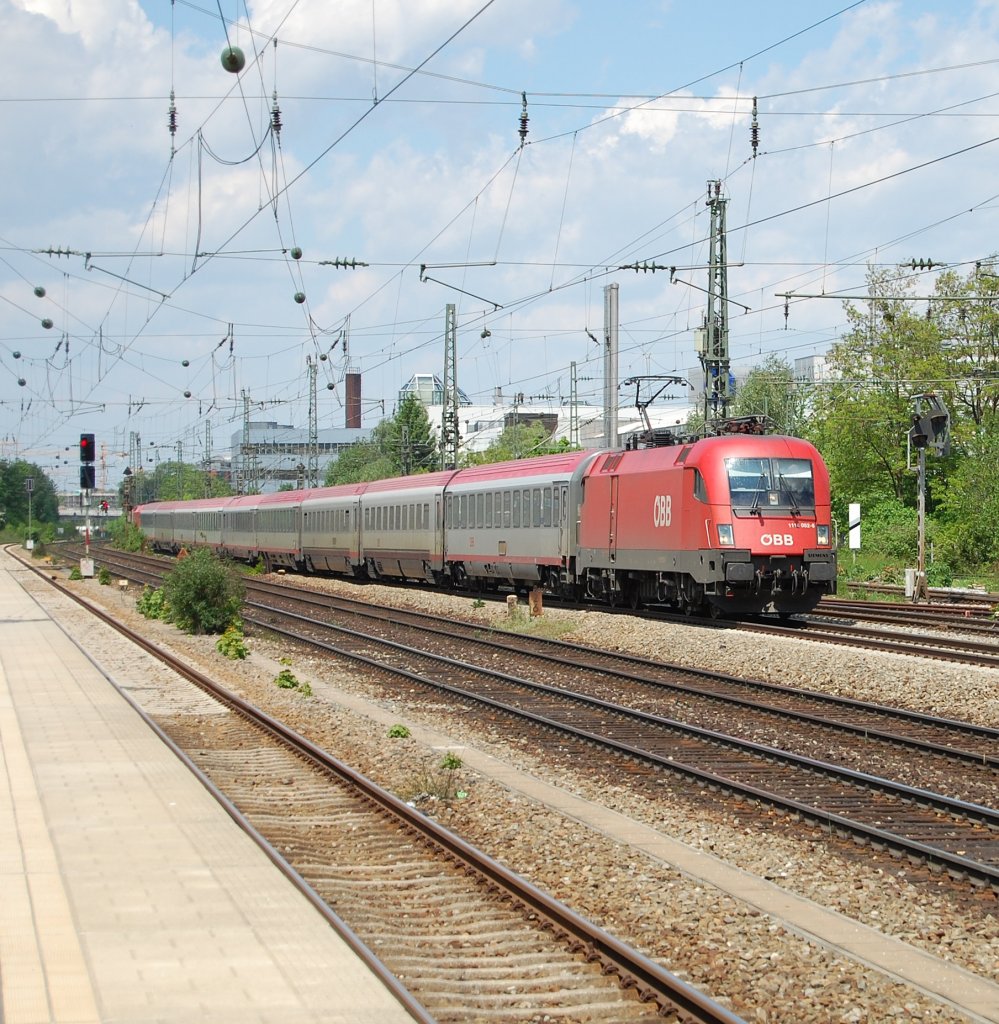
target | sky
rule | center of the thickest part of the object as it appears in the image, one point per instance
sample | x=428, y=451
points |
x=188, y=276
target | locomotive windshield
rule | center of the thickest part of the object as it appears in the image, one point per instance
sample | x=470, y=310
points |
x=756, y=485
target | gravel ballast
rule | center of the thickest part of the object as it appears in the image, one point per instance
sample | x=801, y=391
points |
x=747, y=959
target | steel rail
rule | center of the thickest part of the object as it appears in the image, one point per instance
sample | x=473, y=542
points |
x=956, y=863
x=652, y=982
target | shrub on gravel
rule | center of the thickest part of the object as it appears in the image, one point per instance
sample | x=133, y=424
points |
x=126, y=536
x=151, y=605
x=204, y=593
x=232, y=643
x=287, y=680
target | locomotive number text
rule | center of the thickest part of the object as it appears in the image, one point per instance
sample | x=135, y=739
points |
x=777, y=540
x=662, y=510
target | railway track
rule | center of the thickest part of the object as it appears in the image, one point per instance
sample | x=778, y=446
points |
x=957, y=835
x=980, y=653
x=840, y=631
x=971, y=619
x=470, y=937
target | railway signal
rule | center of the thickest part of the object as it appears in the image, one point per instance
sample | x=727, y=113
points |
x=930, y=429
x=88, y=472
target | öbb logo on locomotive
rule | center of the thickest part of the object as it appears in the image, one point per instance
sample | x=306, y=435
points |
x=732, y=524
x=662, y=510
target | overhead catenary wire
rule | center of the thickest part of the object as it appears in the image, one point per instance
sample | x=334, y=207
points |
x=222, y=255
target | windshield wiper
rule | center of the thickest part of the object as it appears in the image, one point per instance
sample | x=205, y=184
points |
x=754, y=509
x=785, y=487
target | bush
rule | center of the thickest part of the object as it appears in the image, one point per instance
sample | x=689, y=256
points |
x=151, y=604
x=126, y=536
x=286, y=679
x=104, y=576
x=204, y=594
x=232, y=643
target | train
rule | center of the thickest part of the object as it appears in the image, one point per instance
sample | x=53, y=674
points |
x=729, y=525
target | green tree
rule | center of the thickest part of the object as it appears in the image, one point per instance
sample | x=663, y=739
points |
x=400, y=445
x=406, y=439
x=969, y=506
x=173, y=481
x=889, y=354
x=967, y=319
x=14, y=496
x=771, y=390
x=519, y=441
x=362, y=461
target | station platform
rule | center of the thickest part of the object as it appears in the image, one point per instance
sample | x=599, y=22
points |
x=127, y=893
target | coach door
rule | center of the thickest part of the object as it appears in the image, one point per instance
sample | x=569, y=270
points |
x=612, y=520
x=561, y=510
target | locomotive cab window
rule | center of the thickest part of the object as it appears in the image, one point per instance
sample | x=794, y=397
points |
x=700, y=488
x=758, y=485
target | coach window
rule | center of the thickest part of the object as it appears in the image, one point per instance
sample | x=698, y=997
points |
x=489, y=510
x=516, y=509
x=525, y=514
x=480, y=511
x=507, y=518
x=536, y=507
x=546, y=507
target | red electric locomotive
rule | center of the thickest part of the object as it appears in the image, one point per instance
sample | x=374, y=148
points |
x=735, y=524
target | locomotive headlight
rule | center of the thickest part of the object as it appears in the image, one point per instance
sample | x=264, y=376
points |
x=822, y=535
x=726, y=538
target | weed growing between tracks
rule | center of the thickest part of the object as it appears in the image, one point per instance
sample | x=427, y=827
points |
x=437, y=783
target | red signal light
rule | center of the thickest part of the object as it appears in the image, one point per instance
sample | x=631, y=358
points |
x=87, y=448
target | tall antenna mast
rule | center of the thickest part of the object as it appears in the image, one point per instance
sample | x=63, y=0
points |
x=573, y=406
x=712, y=346
x=248, y=465
x=208, y=458
x=449, y=420
x=610, y=364
x=312, y=468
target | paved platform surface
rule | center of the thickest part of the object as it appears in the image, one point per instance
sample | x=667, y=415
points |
x=126, y=892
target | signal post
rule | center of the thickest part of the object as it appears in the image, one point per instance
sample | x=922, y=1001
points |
x=88, y=476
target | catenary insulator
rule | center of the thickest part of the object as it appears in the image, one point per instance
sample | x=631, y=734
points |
x=276, y=117
x=523, y=118
x=754, y=131
x=172, y=116
x=233, y=59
